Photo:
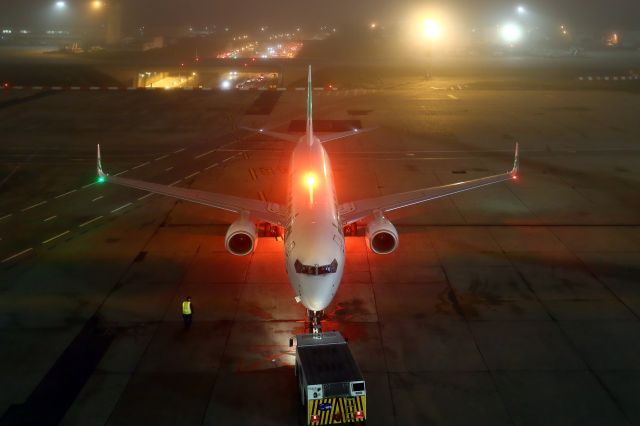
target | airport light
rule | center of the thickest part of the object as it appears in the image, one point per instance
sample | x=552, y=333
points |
x=432, y=29
x=97, y=4
x=61, y=5
x=521, y=10
x=511, y=33
x=225, y=85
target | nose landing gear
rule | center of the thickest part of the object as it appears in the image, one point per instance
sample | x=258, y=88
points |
x=315, y=321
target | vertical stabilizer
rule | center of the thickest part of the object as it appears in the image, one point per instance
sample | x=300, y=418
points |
x=309, y=109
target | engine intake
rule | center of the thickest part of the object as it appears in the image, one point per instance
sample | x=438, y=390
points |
x=241, y=238
x=381, y=235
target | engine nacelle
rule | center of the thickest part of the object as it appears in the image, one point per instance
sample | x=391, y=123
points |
x=242, y=237
x=382, y=236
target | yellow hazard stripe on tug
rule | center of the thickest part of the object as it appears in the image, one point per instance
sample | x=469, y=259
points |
x=336, y=410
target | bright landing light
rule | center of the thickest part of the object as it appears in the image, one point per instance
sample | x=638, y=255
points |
x=225, y=85
x=432, y=29
x=511, y=33
x=97, y=4
x=61, y=5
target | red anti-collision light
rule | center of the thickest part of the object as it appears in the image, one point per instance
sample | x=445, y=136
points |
x=359, y=415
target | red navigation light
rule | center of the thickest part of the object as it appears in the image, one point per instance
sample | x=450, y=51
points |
x=359, y=415
x=514, y=177
x=310, y=180
x=315, y=419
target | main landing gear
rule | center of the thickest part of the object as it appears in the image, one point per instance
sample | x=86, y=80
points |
x=315, y=321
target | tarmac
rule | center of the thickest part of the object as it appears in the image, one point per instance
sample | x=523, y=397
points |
x=517, y=304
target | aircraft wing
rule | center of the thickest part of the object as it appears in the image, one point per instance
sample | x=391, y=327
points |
x=333, y=136
x=356, y=210
x=262, y=210
x=282, y=136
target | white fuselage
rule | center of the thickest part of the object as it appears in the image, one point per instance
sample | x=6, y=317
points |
x=314, y=240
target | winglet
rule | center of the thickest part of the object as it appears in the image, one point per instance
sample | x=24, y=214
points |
x=101, y=174
x=516, y=161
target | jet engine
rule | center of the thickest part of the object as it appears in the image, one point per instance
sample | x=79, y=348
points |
x=242, y=237
x=381, y=235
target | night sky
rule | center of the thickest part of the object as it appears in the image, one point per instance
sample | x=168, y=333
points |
x=283, y=14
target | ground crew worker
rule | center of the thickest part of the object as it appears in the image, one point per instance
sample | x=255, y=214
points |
x=187, y=312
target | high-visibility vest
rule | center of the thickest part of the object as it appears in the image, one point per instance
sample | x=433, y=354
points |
x=186, y=308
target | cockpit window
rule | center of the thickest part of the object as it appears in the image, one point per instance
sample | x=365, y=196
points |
x=316, y=269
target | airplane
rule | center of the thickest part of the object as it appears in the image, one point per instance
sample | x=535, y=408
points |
x=313, y=220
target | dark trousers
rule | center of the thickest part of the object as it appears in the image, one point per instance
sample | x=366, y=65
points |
x=187, y=319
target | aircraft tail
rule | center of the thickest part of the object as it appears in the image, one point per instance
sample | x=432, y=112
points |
x=309, y=134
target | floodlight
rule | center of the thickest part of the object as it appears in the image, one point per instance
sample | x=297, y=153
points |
x=511, y=33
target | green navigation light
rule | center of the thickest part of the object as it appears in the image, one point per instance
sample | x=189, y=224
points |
x=101, y=179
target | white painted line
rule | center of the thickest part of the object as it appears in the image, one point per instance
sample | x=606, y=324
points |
x=227, y=159
x=94, y=88
x=56, y=237
x=191, y=175
x=300, y=88
x=90, y=221
x=261, y=195
x=161, y=158
x=121, y=207
x=131, y=88
x=123, y=172
x=75, y=87
x=145, y=196
x=202, y=155
x=16, y=255
x=88, y=185
x=179, y=151
x=452, y=96
x=65, y=194
x=97, y=198
x=207, y=88
x=281, y=89
x=176, y=182
x=112, y=88
x=56, y=88
x=140, y=165
x=168, y=169
x=211, y=166
x=33, y=206
x=50, y=218
x=18, y=87
x=6, y=216
x=37, y=88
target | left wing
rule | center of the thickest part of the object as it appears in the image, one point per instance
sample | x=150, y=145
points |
x=262, y=210
x=356, y=210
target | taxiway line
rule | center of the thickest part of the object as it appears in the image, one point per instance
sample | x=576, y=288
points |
x=90, y=221
x=62, y=234
x=16, y=255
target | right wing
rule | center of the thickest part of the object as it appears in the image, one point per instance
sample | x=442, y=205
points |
x=262, y=210
x=356, y=210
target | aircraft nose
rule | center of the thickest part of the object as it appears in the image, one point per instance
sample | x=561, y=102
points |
x=316, y=292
